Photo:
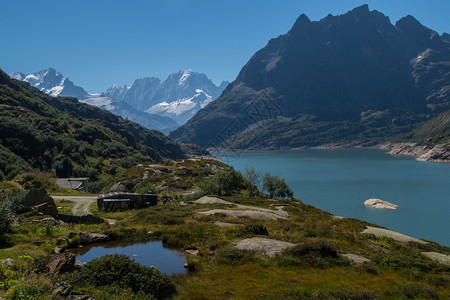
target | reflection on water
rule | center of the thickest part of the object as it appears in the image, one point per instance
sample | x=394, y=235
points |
x=148, y=254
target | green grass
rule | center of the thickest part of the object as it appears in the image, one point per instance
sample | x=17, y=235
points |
x=313, y=268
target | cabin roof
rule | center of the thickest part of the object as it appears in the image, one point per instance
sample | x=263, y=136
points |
x=117, y=194
x=71, y=183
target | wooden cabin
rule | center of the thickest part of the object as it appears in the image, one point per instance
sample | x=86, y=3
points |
x=122, y=200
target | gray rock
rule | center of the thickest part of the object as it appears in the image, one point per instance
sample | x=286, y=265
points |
x=79, y=264
x=392, y=234
x=264, y=246
x=40, y=201
x=192, y=251
x=225, y=224
x=441, y=258
x=58, y=250
x=118, y=187
x=61, y=289
x=9, y=262
x=92, y=238
x=356, y=259
x=61, y=263
x=62, y=240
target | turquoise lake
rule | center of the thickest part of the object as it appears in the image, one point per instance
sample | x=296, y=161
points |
x=339, y=181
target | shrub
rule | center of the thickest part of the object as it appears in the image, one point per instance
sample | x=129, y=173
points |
x=414, y=291
x=408, y=259
x=145, y=188
x=118, y=270
x=7, y=216
x=253, y=178
x=224, y=182
x=276, y=187
x=316, y=254
x=234, y=256
x=251, y=229
x=16, y=198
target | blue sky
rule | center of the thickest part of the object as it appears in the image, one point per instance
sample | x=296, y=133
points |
x=97, y=43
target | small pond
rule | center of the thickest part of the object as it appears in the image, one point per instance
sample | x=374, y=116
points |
x=151, y=253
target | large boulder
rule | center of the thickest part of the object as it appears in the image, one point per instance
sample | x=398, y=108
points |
x=39, y=199
x=118, y=187
x=378, y=203
x=61, y=263
x=93, y=238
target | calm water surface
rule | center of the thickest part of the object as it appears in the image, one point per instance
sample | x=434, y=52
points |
x=339, y=181
x=148, y=254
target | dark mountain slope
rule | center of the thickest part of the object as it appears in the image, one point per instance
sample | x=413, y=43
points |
x=354, y=77
x=70, y=138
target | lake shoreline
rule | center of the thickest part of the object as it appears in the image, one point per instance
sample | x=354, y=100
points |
x=437, y=153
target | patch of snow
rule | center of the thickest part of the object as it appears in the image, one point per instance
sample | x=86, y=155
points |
x=185, y=76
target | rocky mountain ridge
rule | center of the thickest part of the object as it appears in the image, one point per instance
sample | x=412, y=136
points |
x=350, y=78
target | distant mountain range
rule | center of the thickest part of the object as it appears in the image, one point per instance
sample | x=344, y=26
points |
x=70, y=138
x=352, y=78
x=150, y=102
x=179, y=97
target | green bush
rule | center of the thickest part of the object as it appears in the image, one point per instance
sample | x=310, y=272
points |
x=413, y=291
x=23, y=291
x=408, y=259
x=234, y=256
x=7, y=216
x=250, y=230
x=315, y=254
x=119, y=271
x=145, y=188
x=276, y=187
x=225, y=182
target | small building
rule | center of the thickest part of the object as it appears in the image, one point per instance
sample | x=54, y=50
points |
x=79, y=184
x=122, y=200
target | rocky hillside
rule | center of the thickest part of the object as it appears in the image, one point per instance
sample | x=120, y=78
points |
x=69, y=138
x=55, y=84
x=428, y=142
x=353, y=78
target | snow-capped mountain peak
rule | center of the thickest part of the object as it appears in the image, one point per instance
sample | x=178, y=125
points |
x=51, y=82
x=179, y=97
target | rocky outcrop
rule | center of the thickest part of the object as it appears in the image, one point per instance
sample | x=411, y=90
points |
x=356, y=259
x=400, y=237
x=352, y=77
x=439, y=257
x=264, y=246
x=437, y=153
x=93, y=238
x=378, y=203
x=39, y=200
x=61, y=263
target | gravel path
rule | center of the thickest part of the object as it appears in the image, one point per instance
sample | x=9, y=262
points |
x=82, y=203
x=392, y=234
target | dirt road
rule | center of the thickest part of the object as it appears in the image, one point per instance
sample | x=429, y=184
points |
x=82, y=203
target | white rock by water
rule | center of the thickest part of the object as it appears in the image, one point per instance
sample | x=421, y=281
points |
x=378, y=203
